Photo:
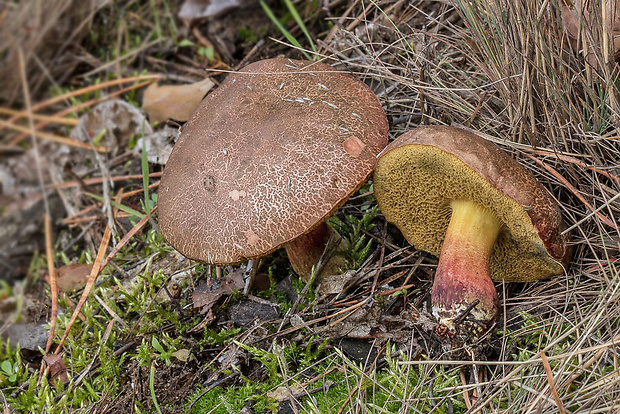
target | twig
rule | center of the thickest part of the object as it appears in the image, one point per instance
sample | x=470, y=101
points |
x=51, y=269
x=74, y=383
x=126, y=238
x=464, y=391
x=85, y=90
x=6, y=409
x=110, y=311
x=588, y=364
x=51, y=137
x=588, y=216
x=99, y=180
x=105, y=240
x=532, y=360
x=466, y=311
x=50, y=119
x=573, y=160
x=79, y=107
x=315, y=321
x=554, y=391
x=48, y=227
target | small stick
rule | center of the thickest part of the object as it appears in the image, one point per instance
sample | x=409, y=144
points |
x=76, y=108
x=139, y=191
x=126, y=238
x=81, y=220
x=71, y=303
x=466, y=311
x=99, y=180
x=315, y=321
x=554, y=391
x=105, y=240
x=85, y=90
x=81, y=212
x=111, y=312
x=51, y=269
x=588, y=364
x=464, y=391
x=51, y=119
x=51, y=137
x=573, y=160
x=250, y=273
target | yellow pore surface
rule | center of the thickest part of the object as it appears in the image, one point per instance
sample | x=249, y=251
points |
x=414, y=186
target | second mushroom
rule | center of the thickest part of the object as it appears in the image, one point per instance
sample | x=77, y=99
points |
x=459, y=197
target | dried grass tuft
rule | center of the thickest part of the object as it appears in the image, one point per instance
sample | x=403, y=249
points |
x=46, y=31
x=505, y=69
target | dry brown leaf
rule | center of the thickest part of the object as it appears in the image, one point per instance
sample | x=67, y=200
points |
x=334, y=284
x=72, y=277
x=176, y=102
x=158, y=145
x=283, y=393
x=111, y=124
x=58, y=369
x=208, y=292
x=182, y=354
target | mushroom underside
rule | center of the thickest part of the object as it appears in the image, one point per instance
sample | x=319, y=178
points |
x=444, y=207
x=415, y=185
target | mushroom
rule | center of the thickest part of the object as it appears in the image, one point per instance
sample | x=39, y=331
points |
x=265, y=159
x=459, y=197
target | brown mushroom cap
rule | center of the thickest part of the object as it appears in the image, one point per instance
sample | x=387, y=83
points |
x=266, y=157
x=418, y=175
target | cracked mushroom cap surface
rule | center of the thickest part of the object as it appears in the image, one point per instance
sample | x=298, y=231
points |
x=267, y=156
x=419, y=173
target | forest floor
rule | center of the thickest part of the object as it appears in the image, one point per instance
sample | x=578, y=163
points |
x=137, y=327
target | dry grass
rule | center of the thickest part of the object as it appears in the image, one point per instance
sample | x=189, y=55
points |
x=47, y=32
x=506, y=70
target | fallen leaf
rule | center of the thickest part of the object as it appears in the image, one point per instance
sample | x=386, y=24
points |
x=334, y=284
x=283, y=393
x=176, y=102
x=207, y=293
x=57, y=368
x=72, y=277
x=112, y=124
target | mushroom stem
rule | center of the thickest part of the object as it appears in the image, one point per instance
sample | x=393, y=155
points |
x=463, y=274
x=305, y=251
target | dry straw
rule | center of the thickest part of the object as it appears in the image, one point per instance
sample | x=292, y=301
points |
x=505, y=69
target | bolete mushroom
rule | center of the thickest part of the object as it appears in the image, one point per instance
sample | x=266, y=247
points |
x=265, y=159
x=459, y=197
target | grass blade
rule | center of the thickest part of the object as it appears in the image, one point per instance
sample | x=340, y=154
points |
x=282, y=29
